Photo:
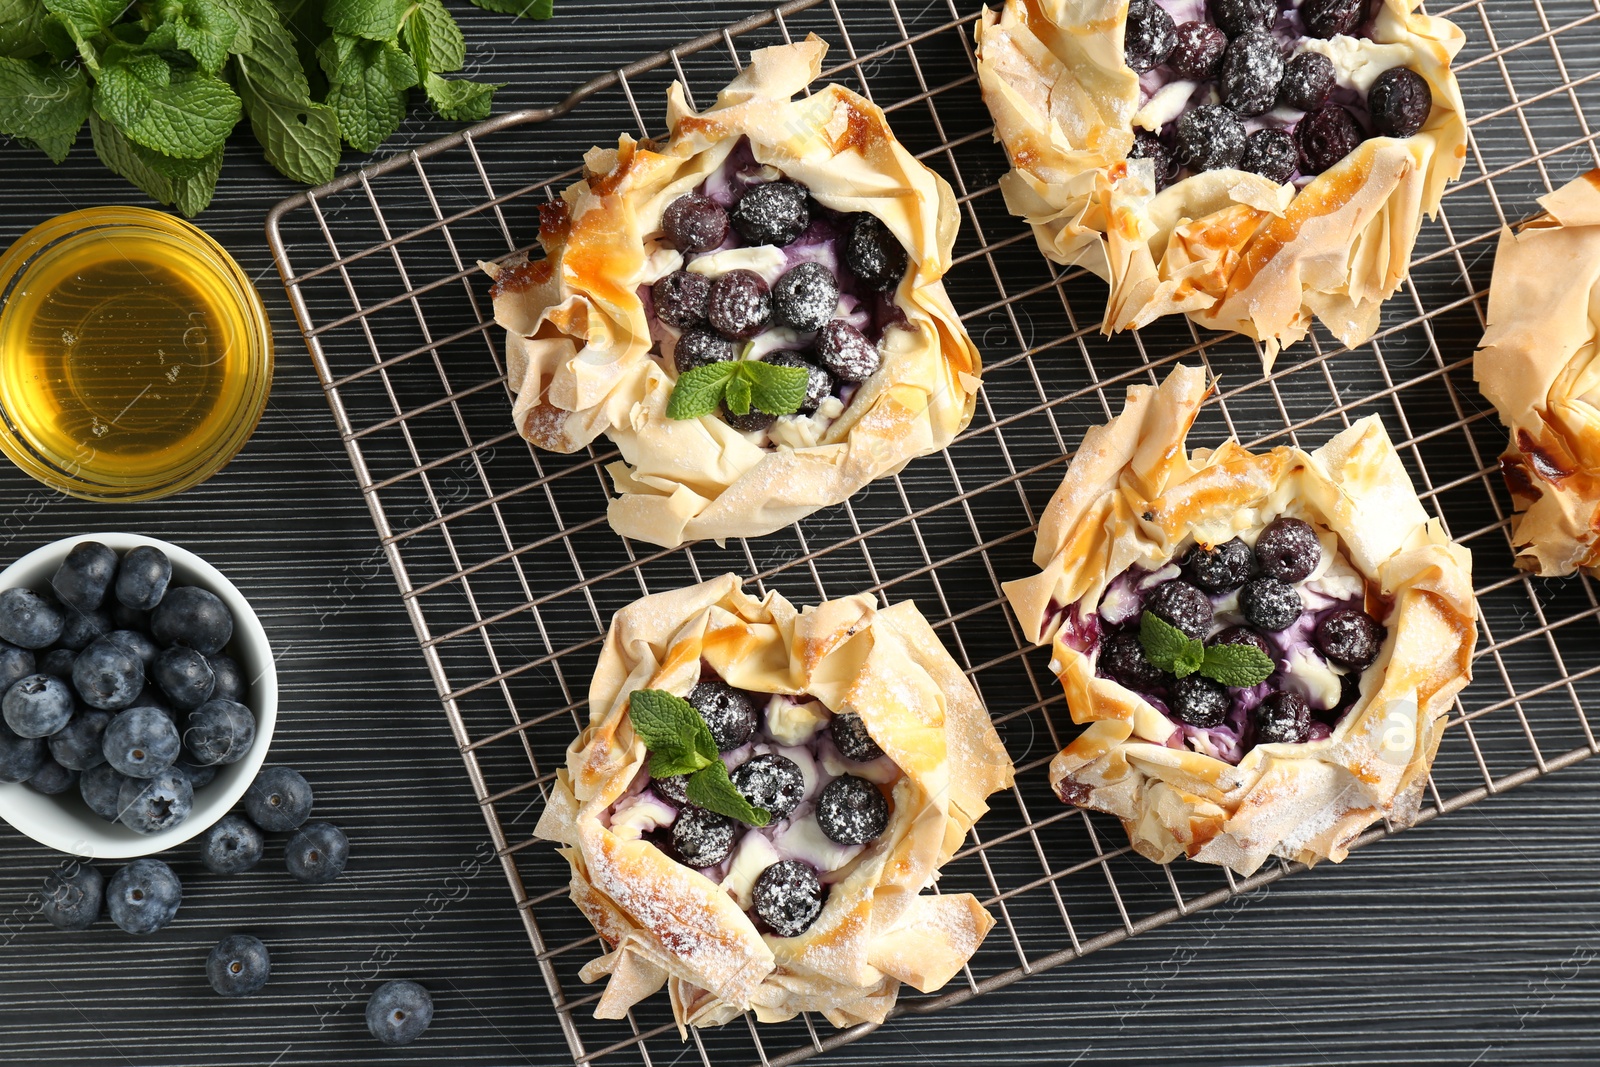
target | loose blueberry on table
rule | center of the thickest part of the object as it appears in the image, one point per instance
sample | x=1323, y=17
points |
x=238, y=966
x=399, y=1012
x=1244, y=87
x=764, y=276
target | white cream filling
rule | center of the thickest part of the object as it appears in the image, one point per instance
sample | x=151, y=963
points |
x=637, y=815
x=660, y=263
x=803, y=839
x=1357, y=62
x=806, y=431
x=1165, y=105
x=766, y=260
x=792, y=724
x=1313, y=677
x=754, y=855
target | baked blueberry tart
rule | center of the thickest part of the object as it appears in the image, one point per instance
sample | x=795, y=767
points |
x=760, y=799
x=750, y=309
x=1264, y=646
x=1250, y=163
x=1537, y=366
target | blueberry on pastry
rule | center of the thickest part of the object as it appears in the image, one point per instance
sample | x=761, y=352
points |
x=1263, y=647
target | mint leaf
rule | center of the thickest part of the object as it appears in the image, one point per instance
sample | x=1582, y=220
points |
x=190, y=117
x=712, y=789
x=22, y=28
x=150, y=69
x=376, y=20
x=1168, y=647
x=86, y=19
x=459, y=100
x=44, y=105
x=367, y=87
x=434, y=40
x=1236, y=666
x=1189, y=660
x=528, y=9
x=299, y=137
x=189, y=192
x=675, y=733
x=777, y=390
x=698, y=390
x=210, y=32
x=737, y=394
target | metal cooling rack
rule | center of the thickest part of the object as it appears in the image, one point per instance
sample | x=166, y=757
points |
x=510, y=574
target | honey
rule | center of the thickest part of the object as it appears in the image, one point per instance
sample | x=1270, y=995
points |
x=134, y=355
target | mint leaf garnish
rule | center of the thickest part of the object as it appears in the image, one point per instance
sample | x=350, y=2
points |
x=737, y=395
x=208, y=30
x=433, y=39
x=189, y=117
x=1168, y=647
x=676, y=735
x=367, y=87
x=460, y=100
x=1236, y=666
x=43, y=104
x=299, y=137
x=698, y=391
x=712, y=789
x=187, y=184
x=777, y=390
x=375, y=20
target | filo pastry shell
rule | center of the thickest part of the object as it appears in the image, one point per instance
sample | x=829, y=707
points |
x=579, y=340
x=1133, y=495
x=1537, y=365
x=1228, y=248
x=665, y=923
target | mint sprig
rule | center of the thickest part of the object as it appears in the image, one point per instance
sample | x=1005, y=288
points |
x=740, y=384
x=1170, y=649
x=680, y=743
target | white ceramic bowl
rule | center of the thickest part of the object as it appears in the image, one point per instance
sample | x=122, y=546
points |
x=64, y=822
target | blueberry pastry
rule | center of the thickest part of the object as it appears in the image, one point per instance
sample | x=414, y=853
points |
x=761, y=799
x=1250, y=163
x=1263, y=646
x=751, y=309
x=1536, y=365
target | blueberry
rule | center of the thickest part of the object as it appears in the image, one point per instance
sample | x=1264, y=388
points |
x=144, y=896
x=699, y=348
x=20, y=757
x=317, y=853
x=1199, y=701
x=73, y=895
x=84, y=576
x=141, y=742
x=680, y=298
x=27, y=620
x=142, y=579
x=819, y=383
x=773, y=213
x=702, y=838
x=185, y=676
x=1251, y=69
x=399, y=1012
x=873, y=254
x=1198, y=50
x=1122, y=656
x=1282, y=718
x=219, y=732
x=1271, y=154
x=37, y=706
x=194, y=617
x=51, y=778
x=1308, y=81
x=1182, y=605
x=136, y=642
x=1148, y=36
x=752, y=421
x=805, y=297
x=770, y=782
x=1270, y=605
x=17, y=663
x=198, y=776
x=278, y=800
x=1288, y=550
x=1220, y=568
x=107, y=675
x=1239, y=635
x=1325, y=137
x=1147, y=145
x=788, y=897
x=77, y=745
x=79, y=628
x=1350, y=637
x=674, y=788
x=739, y=304
x=730, y=713
x=58, y=663
x=101, y=786
x=1237, y=17
x=1399, y=101
x=230, y=679
x=1329, y=18
x=1210, y=138
x=845, y=353
x=852, y=811
x=695, y=223
x=238, y=966
x=151, y=805
x=231, y=845
x=850, y=737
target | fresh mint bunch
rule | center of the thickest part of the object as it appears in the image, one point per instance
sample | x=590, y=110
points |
x=162, y=83
x=680, y=742
x=1169, y=648
x=741, y=384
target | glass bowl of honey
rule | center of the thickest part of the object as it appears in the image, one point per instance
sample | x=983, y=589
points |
x=135, y=355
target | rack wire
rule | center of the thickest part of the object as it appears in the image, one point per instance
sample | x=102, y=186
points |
x=509, y=574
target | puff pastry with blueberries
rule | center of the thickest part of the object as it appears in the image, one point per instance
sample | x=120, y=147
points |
x=774, y=229
x=1323, y=562
x=848, y=724
x=1250, y=163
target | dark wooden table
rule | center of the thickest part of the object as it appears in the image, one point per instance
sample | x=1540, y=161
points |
x=1471, y=940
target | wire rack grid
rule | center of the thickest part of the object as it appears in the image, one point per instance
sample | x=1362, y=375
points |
x=509, y=573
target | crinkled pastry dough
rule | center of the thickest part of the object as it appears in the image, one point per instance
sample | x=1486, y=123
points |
x=578, y=337
x=1228, y=248
x=1537, y=366
x=664, y=923
x=1133, y=495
